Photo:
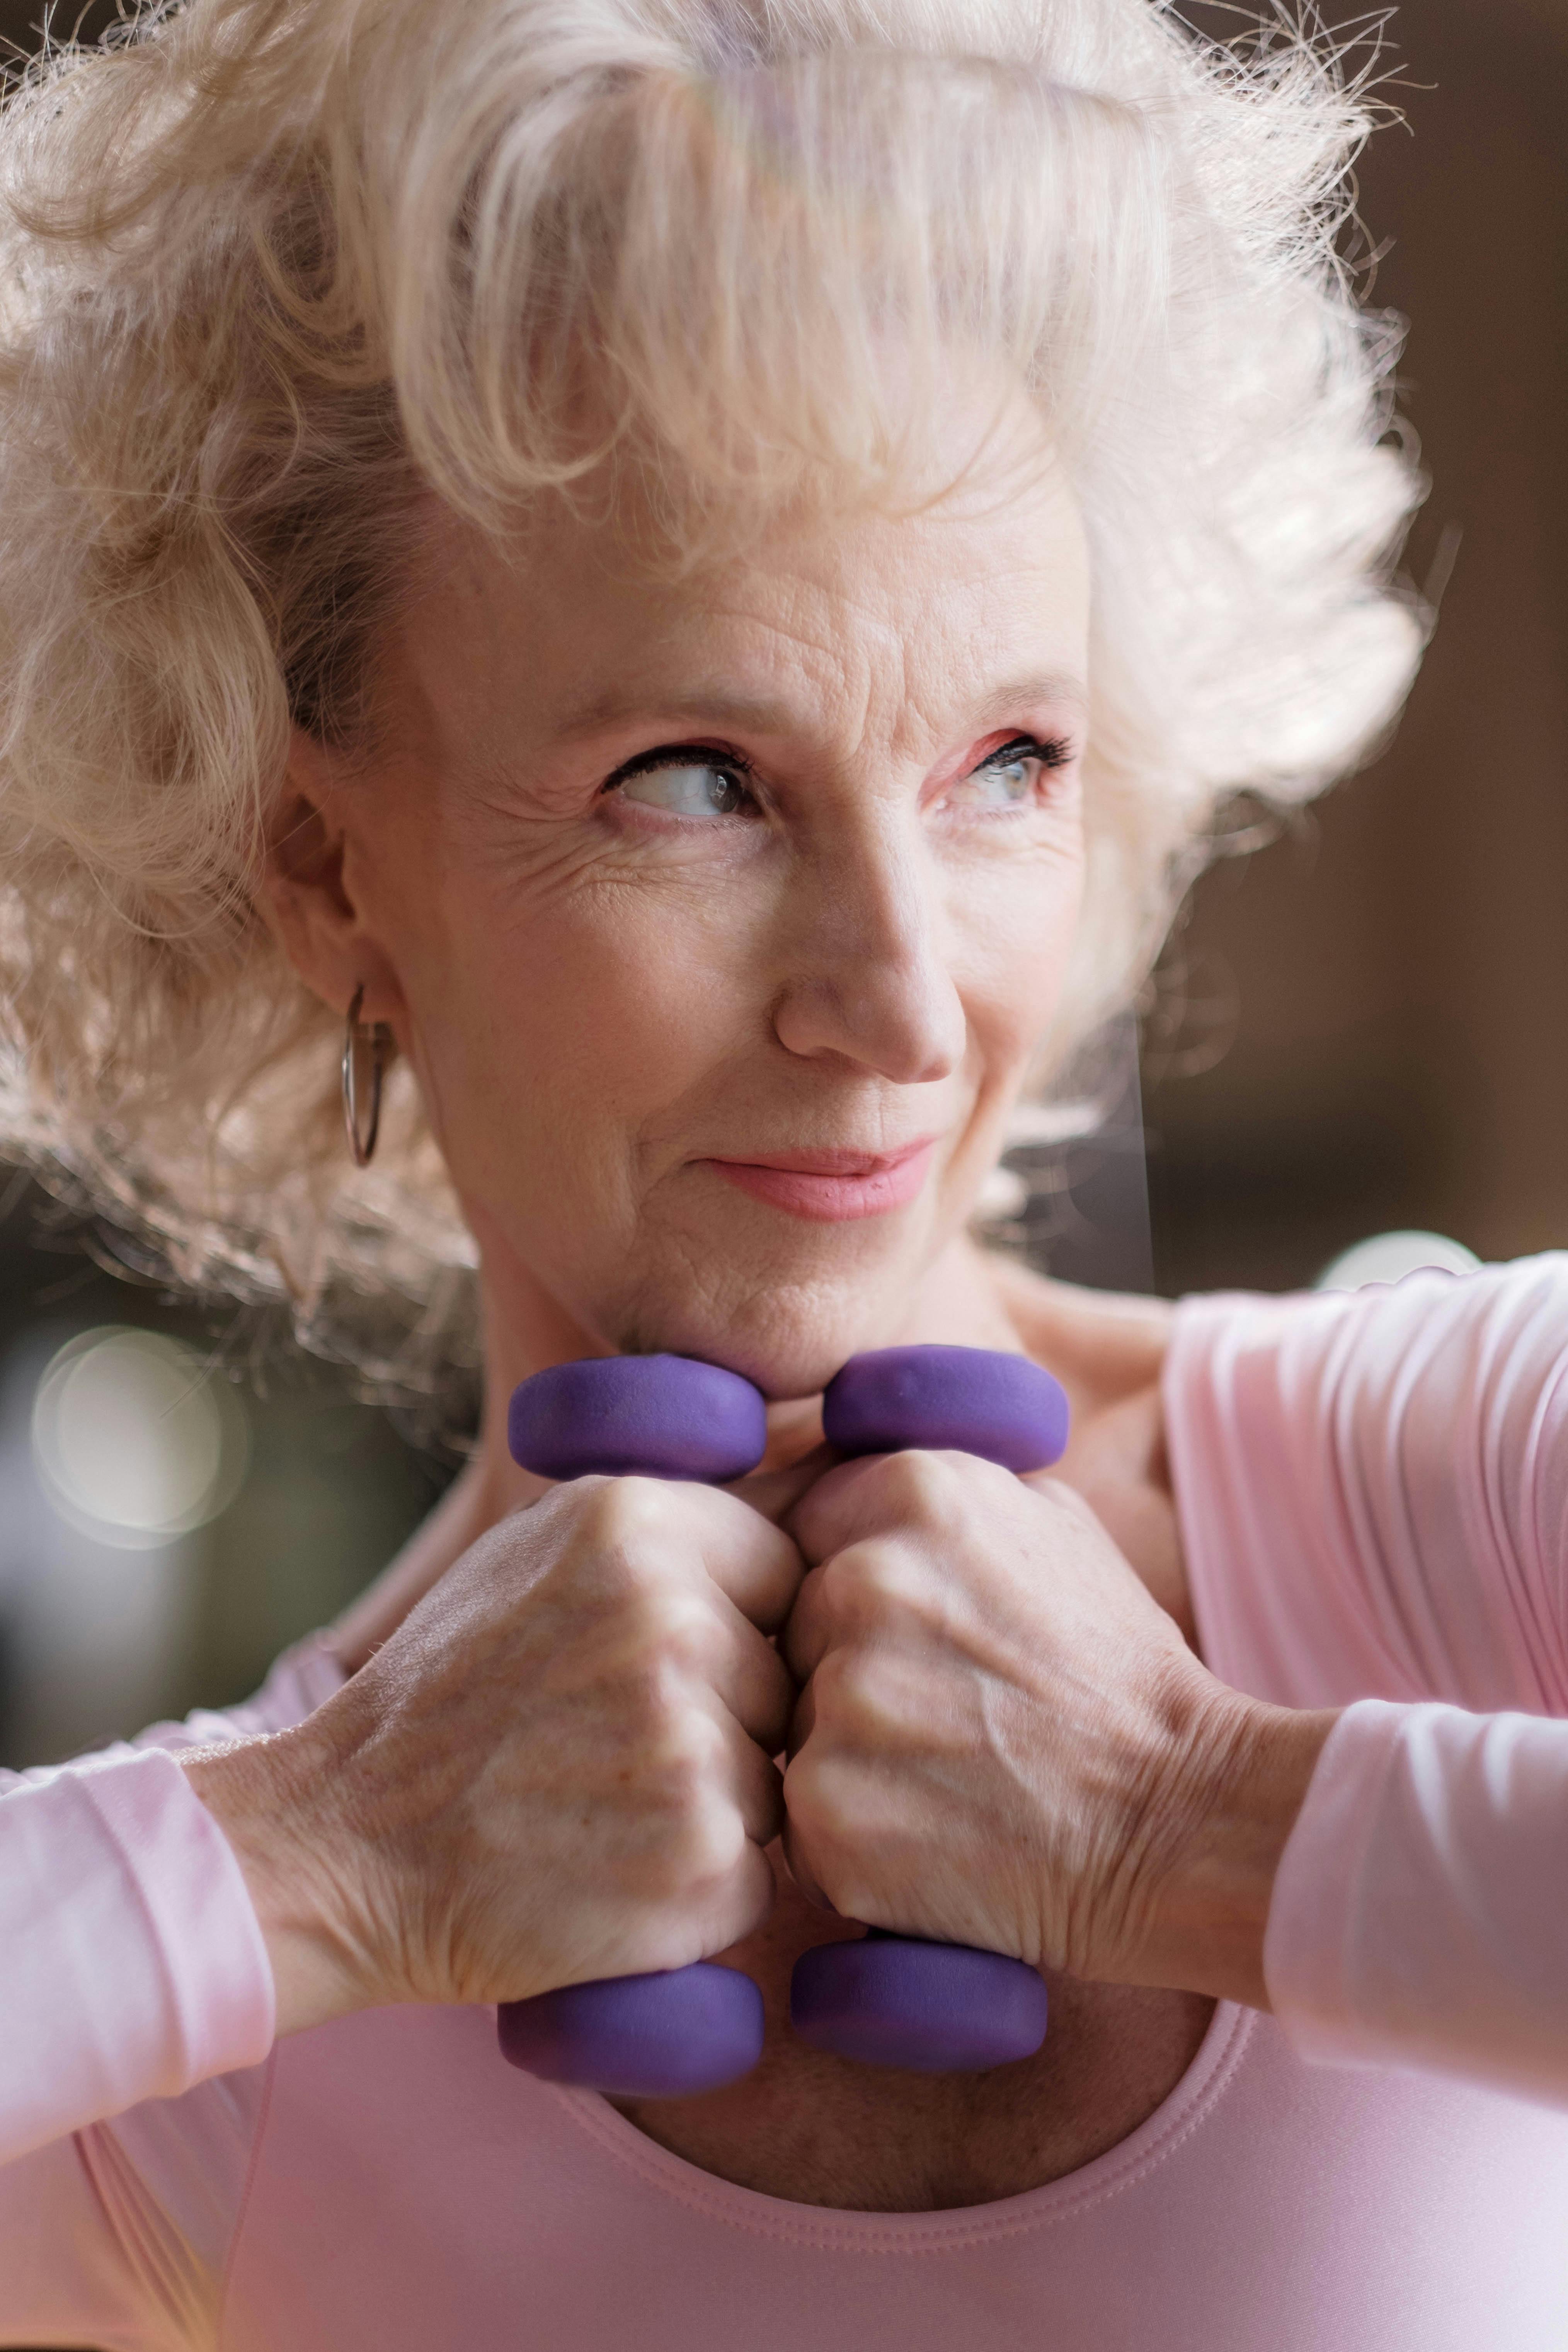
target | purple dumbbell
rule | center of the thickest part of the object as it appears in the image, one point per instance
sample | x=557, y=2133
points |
x=675, y=2032
x=891, y=2001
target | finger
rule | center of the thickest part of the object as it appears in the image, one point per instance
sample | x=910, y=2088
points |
x=801, y=1722
x=749, y=1900
x=754, y=1784
x=753, y=1563
x=842, y=1600
x=842, y=1504
x=800, y=1870
x=1055, y=1490
x=774, y=1493
x=749, y=1677
x=806, y=1639
x=880, y=1491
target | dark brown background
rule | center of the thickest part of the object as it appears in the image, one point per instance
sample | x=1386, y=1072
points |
x=1400, y=970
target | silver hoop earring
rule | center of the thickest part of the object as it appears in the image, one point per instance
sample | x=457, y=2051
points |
x=379, y=1038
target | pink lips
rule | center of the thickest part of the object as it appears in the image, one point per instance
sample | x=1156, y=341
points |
x=830, y=1186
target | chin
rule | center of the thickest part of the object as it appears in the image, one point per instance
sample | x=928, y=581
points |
x=788, y=1337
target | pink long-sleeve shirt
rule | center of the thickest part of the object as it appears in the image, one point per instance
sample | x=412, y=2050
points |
x=1371, y=1492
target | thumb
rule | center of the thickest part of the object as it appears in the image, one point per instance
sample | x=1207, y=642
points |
x=775, y=1492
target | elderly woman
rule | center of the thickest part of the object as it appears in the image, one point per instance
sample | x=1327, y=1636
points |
x=679, y=585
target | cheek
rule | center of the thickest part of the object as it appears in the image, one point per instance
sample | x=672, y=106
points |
x=552, y=1020
x=1018, y=940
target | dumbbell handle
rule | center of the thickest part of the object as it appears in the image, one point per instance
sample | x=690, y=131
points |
x=887, y=2000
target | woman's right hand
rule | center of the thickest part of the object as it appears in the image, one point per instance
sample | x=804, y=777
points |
x=558, y=1767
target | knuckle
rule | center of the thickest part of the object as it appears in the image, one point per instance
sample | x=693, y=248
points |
x=834, y=1678
x=870, y=1698
x=838, y=1588
x=670, y=1621
x=927, y=1488
x=622, y=1513
x=855, y=1693
x=684, y=1758
x=863, y=1586
x=885, y=1478
x=709, y=1841
x=931, y=1486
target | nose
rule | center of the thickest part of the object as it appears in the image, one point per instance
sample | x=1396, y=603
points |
x=869, y=958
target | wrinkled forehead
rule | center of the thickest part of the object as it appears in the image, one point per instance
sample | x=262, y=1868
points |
x=965, y=585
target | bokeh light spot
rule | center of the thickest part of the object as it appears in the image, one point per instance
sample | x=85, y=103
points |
x=134, y=1440
x=1389, y=1258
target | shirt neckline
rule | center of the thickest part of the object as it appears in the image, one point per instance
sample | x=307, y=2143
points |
x=832, y=2229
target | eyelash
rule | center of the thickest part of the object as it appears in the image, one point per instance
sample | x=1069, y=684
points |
x=1052, y=752
x=679, y=755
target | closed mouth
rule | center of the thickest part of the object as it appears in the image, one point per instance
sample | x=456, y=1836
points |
x=830, y=1185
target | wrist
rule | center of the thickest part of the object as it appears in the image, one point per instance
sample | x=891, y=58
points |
x=1236, y=1789
x=265, y=1795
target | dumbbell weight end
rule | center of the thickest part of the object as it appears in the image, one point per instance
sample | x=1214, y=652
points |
x=666, y=2035
x=931, y=2008
x=648, y=1416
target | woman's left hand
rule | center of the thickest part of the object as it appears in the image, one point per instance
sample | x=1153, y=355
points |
x=1003, y=1740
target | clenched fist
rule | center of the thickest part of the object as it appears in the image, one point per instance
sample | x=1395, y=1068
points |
x=559, y=1766
x=1002, y=1740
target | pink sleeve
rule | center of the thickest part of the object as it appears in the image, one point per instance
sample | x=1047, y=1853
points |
x=134, y=1964
x=1420, y=1915
x=1373, y=1497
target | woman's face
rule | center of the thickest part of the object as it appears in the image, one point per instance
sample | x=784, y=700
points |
x=718, y=918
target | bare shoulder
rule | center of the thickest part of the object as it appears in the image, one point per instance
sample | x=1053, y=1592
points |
x=1108, y=1350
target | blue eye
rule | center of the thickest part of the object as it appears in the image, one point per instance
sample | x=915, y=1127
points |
x=686, y=788
x=1007, y=779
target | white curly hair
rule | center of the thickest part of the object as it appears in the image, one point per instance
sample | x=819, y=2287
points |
x=275, y=272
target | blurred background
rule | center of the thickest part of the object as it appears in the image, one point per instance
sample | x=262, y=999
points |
x=1359, y=1027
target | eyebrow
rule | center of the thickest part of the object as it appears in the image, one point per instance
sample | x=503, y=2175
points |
x=719, y=706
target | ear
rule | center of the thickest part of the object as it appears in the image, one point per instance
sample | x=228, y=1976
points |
x=305, y=897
